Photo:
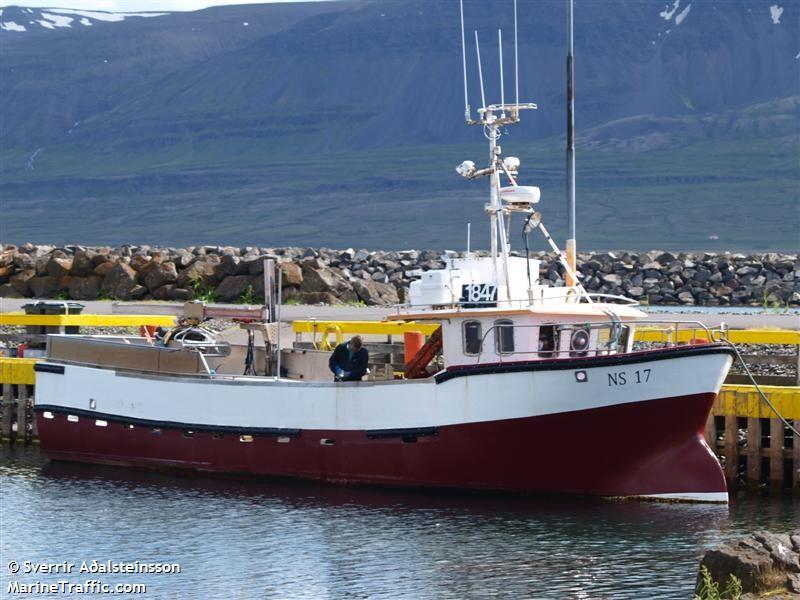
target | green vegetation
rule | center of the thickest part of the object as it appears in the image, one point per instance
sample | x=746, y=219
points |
x=774, y=305
x=354, y=303
x=202, y=292
x=709, y=589
x=248, y=297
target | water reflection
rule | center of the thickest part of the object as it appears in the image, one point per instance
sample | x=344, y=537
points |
x=295, y=540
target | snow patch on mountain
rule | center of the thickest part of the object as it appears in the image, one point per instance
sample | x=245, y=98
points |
x=58, y=20
x=683, y=14
x=667, y=13
x=105, y=16
x=775, y=12
x=11, y=26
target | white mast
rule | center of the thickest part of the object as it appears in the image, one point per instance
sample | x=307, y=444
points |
x=571, y=245
x=516, y=56
x=493, y=118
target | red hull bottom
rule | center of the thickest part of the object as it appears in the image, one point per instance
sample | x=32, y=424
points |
x=645, y=448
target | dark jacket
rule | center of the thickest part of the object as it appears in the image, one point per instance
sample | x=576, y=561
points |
x=356, y=365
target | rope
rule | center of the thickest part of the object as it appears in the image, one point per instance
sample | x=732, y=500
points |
x=758, y=388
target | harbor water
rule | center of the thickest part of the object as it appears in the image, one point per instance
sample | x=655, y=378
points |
x=243, y=539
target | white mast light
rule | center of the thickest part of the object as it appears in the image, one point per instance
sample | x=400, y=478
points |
x=466, y=169
x=511, y=163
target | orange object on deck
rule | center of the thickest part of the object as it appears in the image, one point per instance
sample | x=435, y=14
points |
x=415, y=365
x=412, y=344
x=148, y=331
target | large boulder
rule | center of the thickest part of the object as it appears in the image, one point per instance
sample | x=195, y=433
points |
x=119, y=282
x=7, y=256
x=183, y=258
x=20, y=281
x=155, y=274
x=139, y=261
x=375, y=293
x=6, y=272
x=232, y=287
x=292, y=274
x=9, y=291
x=83, y=263
x=85, y=288
x=765, y=563
x=230, y=264
x=44, y=286
x=103, y=268
x=200, y=272
x=59, y=266
x=320, y=281
x=24, y=261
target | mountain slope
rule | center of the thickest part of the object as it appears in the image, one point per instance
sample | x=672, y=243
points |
x=182, y=108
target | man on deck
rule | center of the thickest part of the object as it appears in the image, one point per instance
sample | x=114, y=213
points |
x=349, y=360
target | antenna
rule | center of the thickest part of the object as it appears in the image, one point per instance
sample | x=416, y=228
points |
x=570, y=245
x=502, y=87
x=480, y=71
x=516, y=57
x=467, y=114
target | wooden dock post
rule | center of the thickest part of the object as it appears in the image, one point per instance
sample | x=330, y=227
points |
x=8, y=408
x=776, y=437
x=731, y=449
x=23, y=435
x=796, y=452
x=34, y=427
x=739, y=404
x=753, y=452
x=711, y=432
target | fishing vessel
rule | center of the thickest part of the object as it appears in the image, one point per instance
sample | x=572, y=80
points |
x=519, y=386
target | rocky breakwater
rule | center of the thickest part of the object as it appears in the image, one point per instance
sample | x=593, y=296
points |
x=229, y=274
x=760, y=565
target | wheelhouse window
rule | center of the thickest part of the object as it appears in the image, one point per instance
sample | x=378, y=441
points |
x=547, y=341
x=472, y=337
x=504, y=336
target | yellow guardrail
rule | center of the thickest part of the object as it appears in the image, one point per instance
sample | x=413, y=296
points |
x=18, y=371
x=364, y=327
x=787, y=337
x=20, y=319
x=745, y=401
